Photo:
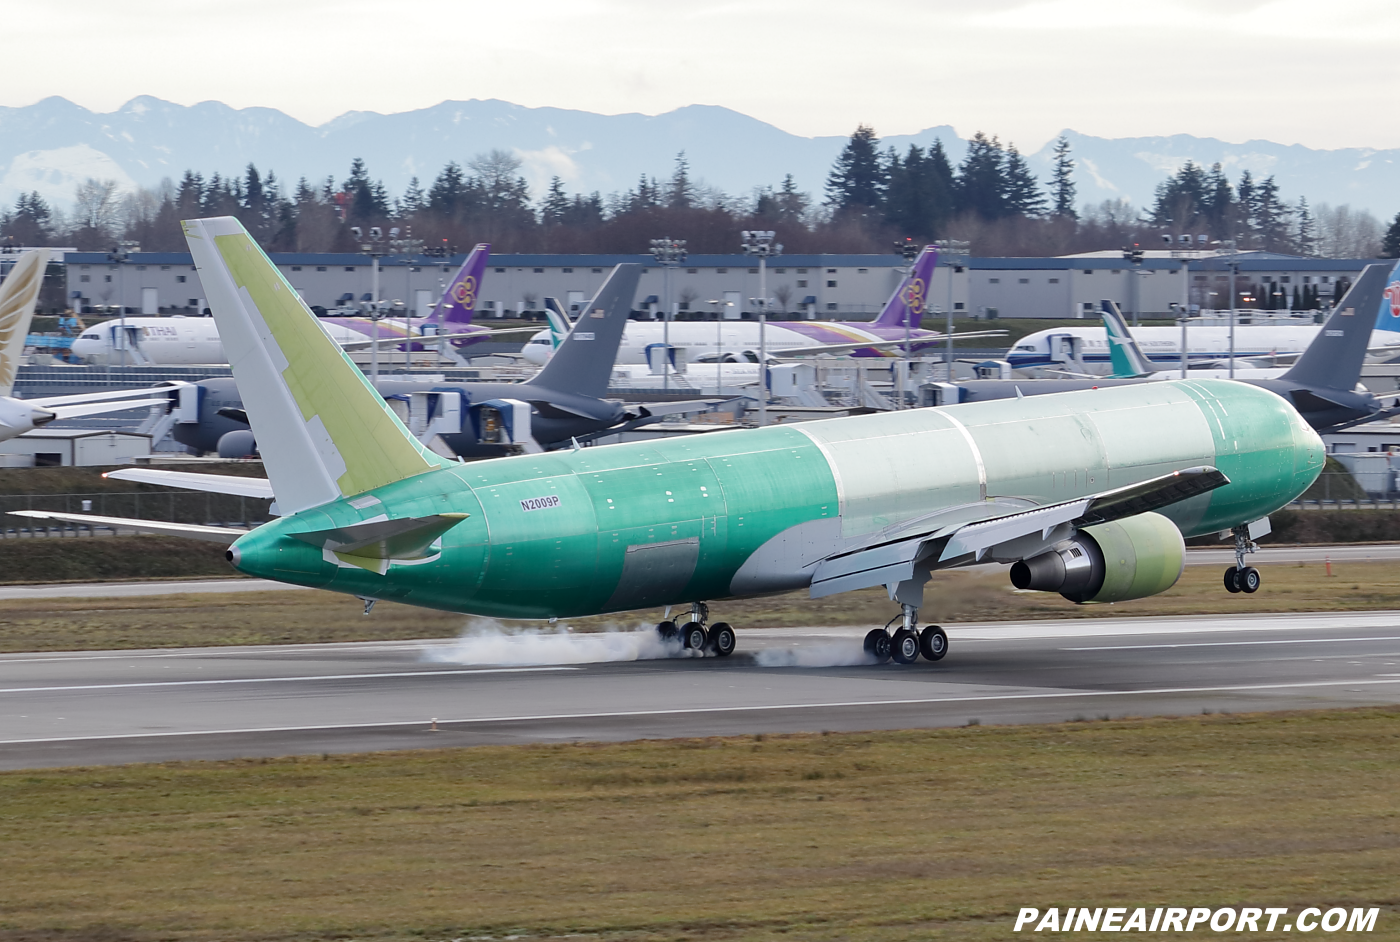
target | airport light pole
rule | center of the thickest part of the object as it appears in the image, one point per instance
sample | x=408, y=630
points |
x=373, y=246
x=760, y=242
x=954, y=254
x=719, y=341
x=669, y=253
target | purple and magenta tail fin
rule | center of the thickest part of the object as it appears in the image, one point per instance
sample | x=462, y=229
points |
x=910, y=299
x=459, y=301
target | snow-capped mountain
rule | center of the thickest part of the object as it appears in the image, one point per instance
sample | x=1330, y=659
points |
x=53, y=145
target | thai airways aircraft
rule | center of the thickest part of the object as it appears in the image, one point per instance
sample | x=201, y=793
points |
x=187, y=341
x=18, y=295
x=1067, y=488
x=1209, y=346
x=738, y=341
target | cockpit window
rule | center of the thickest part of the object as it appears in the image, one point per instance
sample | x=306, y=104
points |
x=91, y=336
x=1025, y=346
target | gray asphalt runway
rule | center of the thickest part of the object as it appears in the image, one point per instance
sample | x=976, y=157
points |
x=1372, y=552
x=111, y=707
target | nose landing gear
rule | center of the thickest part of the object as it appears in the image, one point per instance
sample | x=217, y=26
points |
x=1239, y=577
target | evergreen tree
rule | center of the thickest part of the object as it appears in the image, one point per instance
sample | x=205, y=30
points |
x=554, y=211
x=1271, y=217
x=1062, y=181
x=919, y=200
x=681, y=192
x=1218, y=204
x=448, y=193
x=1023, y=194
x=860, y=175
x=1247, y=199
x=1297, y=299
x=414, y=200
x=1390, y=246
x=1306, y=239
x=981, y=181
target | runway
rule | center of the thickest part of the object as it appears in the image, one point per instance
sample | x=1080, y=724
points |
x=87, y=708
x=1348, y=552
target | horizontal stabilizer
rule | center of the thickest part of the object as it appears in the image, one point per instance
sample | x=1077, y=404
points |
x=191, y=531
x=49, y=402
x=194, y=481
x=382, y=540
x=97, y=408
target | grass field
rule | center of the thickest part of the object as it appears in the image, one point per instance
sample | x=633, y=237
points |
x=938, y=834
x=286, y=617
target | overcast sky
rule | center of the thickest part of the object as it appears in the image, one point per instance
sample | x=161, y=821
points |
x=1293, y=71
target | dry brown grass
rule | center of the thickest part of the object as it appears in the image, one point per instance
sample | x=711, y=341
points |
x=287, y=617
x=937, y=834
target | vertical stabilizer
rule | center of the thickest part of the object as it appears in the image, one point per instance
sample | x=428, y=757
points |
x=584, y=360
x=1127, y=357
x=322, y=431
x=910, y=299
x=559, y=322
x=17, y=298
x=458, y=302
x=1333, y=360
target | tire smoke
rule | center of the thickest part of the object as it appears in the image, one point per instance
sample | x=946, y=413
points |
x=487, y=642
x=826, y=654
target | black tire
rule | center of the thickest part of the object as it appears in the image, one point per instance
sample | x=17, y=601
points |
x=1232, y=580
x=877, y=645
x=668, y=631
x=933, y=643
x=722, y=640
x=904, y=646
x=1249, y=580
x=694, y=636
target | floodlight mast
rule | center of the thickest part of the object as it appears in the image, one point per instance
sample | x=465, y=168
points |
x=952, y=253
x=760, y=242
x=668, y=254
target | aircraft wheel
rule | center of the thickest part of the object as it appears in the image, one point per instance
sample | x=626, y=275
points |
x=722, y=640
x=667, y=631
x=904, y=647
x=694, y=636
x=877, y=645
x=933, y=643
x=1232, y=580
x=1249, y=579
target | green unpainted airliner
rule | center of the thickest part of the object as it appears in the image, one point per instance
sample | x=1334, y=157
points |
x=1086, y=493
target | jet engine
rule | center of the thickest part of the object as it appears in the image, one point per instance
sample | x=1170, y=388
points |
x=1109, y=562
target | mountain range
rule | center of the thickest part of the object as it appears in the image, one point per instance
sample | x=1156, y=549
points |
x=53, y=145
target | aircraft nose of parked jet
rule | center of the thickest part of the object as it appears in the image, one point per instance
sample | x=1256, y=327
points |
x=85, y=347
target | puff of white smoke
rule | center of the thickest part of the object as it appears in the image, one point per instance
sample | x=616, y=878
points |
x=825, y=654
x=486, y=642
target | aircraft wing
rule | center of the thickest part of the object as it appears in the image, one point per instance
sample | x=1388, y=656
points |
x=880, y=344
x=193, y=481
x=51, y=401
x=95, y=408
x=223, y=535
x=941, y=546
x=365, y=344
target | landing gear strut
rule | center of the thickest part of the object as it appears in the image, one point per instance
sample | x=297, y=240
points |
x=1239, y=577
x=906, y=644
x=717, y=639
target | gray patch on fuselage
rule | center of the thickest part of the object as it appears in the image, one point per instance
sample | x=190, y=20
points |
x=788, y=560
x=654, y=573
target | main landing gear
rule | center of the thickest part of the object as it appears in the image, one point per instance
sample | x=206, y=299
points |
x=694, y=634
x=1239, y=577
x=907, y=642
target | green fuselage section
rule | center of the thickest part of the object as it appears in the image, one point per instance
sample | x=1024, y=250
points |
x=630, y=526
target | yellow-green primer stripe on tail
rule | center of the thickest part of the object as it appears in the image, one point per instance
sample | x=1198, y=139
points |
x=373, y=443
x=17, y=297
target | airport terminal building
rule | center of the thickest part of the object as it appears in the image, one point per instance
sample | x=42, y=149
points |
x=802, y=286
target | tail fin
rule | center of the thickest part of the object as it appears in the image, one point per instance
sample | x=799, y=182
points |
x=1127, y=358
x=559, y=323
x=323, y=432
x=1333, y=360
x=584, y=361
x=1388, y=317
x=17, y=298
x=910, y=299
x=458, y=302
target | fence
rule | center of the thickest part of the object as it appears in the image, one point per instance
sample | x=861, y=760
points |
x=205, y=509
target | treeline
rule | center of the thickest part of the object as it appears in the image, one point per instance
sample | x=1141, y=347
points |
x=872, y=197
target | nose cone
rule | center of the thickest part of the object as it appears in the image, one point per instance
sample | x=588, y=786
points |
x=1309, y=454
x=87, y=349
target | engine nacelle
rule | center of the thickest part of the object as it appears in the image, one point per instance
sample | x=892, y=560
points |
x=1109, y=562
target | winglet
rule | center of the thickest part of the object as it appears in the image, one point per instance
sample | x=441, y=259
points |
x=323, y=432
x=910, y=299
x=17, y=297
